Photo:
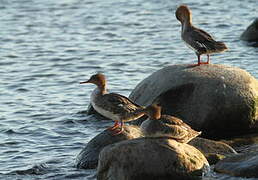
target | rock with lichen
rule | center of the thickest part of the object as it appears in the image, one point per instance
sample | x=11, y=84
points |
x=219, y=100
x=150, y=158
x=214, y=151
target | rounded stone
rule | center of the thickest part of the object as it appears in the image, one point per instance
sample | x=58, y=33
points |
x=242, y=165
x=242, y=141
x=219, y=100
x=89, y=155
x=251, y=33
x=150, y=158
x=207, y=146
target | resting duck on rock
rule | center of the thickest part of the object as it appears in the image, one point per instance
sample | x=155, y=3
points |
x=111, y=105
x=198, y=40
x=158, y=125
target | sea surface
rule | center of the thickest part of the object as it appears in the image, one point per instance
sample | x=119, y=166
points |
x=48, y=47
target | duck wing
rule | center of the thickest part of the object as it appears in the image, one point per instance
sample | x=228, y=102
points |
x=177, y=129
x=199, y=40
x=172, y=120
x=119, y=103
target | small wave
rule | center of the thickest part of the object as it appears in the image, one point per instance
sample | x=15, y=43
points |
x=82, y=112
x=22, y=90
x=71, y=50
x=89, y=67
x=222, y=26
x=45, y=75
x=110, y=34
x=8, y=143
x=118, y=64
x=38, y=169
x=9, y=131
x=68, y=121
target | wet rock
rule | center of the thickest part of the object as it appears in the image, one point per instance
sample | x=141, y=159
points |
x=214, y=151
x=242, y=141
x=213, y=158
x=207, y=146
x=221, y=101
x=242, y=165
x=251, y=33
x=89, y=156
x=150, y=158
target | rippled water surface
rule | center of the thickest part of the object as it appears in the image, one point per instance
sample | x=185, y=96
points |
x=47, y=47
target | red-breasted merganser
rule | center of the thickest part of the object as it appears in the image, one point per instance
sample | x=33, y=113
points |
x=198, y=40
x=111, y=105
x=158, y=125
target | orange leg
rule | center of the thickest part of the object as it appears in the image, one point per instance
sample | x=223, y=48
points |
x=115, y=126
x=120, y=130
x=199, y=61
x=208, y=59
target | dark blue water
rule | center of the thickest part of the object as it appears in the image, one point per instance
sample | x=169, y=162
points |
x=47, y=47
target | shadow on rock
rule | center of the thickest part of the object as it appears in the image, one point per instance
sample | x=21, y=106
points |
x=89, y=156
x=242, y=165
x=221, y=101
x=214, y=151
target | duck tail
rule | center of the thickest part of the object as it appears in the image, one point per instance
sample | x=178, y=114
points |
x=220, y=46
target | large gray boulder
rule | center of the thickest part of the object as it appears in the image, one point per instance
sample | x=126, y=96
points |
x=218, y=100
x=150, y=158
x=251, y=33
x=243, y=165
x=89, y=155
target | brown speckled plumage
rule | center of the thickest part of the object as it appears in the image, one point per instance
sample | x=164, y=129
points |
x=111, y=105
x=165, y=125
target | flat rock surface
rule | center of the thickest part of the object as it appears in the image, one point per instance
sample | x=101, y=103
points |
x=89, y=156
x=221, y=101
x=150, y=158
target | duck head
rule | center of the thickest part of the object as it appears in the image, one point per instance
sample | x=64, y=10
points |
x=183, y=14
x=153, y=111
x=97, y=79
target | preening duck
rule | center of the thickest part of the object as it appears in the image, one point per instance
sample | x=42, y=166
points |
x=198, y=40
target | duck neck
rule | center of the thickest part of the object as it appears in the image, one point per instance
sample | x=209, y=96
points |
x=102, y=88
x=155, y=115
x=186, y=25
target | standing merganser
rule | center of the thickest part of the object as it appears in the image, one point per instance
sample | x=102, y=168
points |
x=198, y=40
x=111, y=105
x=158, y=125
